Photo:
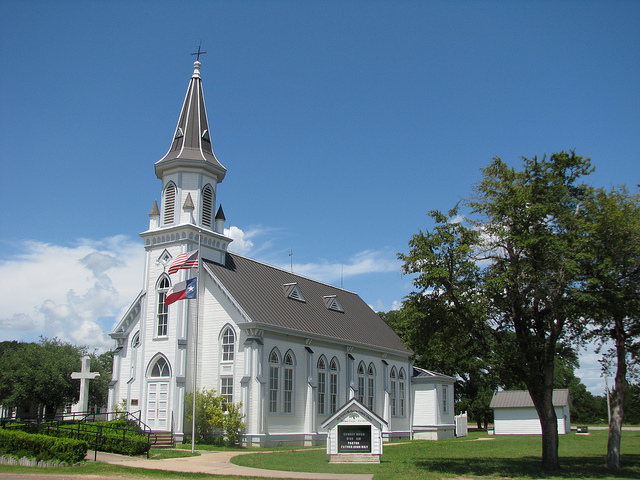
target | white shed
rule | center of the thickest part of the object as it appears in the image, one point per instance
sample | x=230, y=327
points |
x=433, y=413
x=515, y=414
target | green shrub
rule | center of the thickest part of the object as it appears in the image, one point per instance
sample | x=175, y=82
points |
x=118, y=436
x=42, y=447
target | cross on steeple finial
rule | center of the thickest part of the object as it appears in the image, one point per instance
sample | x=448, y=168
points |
x=198, y=53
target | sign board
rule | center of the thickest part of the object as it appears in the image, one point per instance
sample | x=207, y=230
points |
x=354, y=434
x=354, y=438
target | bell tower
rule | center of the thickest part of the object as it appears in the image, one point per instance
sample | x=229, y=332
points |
x=190, y=174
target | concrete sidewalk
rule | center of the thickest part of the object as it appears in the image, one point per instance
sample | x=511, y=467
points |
x=216, y=463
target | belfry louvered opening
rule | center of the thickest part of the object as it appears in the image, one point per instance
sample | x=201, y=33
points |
x=169, y=203
x=207, y=206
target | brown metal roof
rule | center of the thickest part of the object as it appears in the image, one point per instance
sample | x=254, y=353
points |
x=258, y=290
x=522, y=398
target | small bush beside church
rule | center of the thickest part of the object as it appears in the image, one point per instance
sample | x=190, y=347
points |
x=217, y=420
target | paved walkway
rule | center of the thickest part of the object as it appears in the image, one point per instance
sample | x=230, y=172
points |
x=216, y=463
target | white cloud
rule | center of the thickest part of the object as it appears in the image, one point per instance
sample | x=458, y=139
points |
x=241, y=241
x=362, y=263
x=73, y=292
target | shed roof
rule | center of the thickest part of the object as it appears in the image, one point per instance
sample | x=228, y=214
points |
x=258, y=290
x=522, y=398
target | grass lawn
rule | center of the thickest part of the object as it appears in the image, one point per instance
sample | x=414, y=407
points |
x=479, y=455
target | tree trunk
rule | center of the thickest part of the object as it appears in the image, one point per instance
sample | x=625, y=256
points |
x=617, y=401
x=542, y=396
x=550, y=441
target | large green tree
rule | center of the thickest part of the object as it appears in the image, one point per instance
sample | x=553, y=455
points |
x=533, y=239
x=39, y=374
x=513, y=278
x=612, y=270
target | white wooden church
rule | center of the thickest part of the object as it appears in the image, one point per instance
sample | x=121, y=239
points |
x=291, y=349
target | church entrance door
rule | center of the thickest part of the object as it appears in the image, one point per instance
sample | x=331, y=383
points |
x=158, y=406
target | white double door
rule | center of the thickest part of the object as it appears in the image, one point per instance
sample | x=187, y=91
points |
x=158, y=406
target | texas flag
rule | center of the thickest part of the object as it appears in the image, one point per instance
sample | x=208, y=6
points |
x=182, y=290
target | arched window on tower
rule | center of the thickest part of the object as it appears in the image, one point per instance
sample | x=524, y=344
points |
x=207, y=206
x=228, y=344
x=163, y=310
x=169, y=203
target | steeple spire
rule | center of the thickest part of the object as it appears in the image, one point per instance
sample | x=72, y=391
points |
x=191, y=144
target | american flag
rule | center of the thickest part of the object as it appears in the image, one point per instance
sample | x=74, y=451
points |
x=184, y=260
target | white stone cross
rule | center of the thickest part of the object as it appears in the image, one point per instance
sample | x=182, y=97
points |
x=84, y=375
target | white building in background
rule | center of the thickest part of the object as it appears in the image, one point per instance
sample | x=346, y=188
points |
x=515, y=414
x=293, y=350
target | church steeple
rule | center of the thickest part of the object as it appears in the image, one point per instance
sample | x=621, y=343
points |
x=190, y=174
x=191, y=144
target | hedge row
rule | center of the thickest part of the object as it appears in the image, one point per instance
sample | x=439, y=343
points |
x=42, y=447
x=125, y=439
x=124, y=442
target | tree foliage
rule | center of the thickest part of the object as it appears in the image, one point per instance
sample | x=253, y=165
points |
x=509, y=280
x=612, y=271
x=39, y=374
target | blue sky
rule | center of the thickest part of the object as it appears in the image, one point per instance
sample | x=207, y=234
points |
x=341, y=124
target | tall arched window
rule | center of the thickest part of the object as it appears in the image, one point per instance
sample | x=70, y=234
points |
x=169, y=203
x=289, y=364
x=274, y=380
x=163, y=309
x=333, y=385
x=401, y=392
x=371, y=387
x=394, y=391
x=322, y=385
x=362, y=377
x=135, y=343
x=228, y=344
x=207, y=206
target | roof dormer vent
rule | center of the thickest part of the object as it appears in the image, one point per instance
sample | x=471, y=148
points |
x=332, y=303
x=291, y=290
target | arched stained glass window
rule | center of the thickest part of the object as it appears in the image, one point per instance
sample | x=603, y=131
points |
x=333, y=385
x=161, y=368
x=274, y=380
x=322, y=385
x=289, y=363
x=362, y=377
x=394, y=393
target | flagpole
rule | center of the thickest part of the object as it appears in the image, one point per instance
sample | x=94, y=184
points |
x=195, y=352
